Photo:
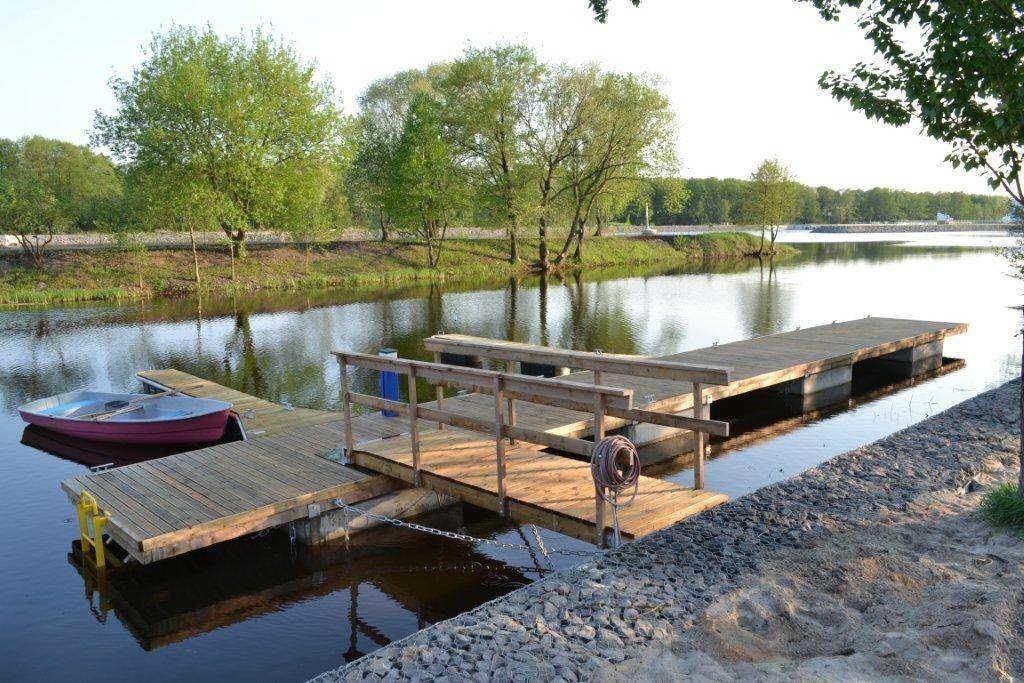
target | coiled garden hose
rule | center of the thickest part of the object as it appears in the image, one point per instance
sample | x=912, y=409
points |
x=615, y=466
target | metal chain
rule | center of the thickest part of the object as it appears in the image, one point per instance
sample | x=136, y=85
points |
x=456, y=536
x=540, y=541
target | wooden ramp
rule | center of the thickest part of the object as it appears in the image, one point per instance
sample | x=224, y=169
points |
x=549, y=490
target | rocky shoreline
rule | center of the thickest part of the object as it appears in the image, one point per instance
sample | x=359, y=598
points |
x=604, y=618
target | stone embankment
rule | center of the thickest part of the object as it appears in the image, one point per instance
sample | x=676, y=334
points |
x=871, y=565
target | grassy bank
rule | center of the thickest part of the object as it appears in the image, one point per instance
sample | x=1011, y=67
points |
x=71, y=276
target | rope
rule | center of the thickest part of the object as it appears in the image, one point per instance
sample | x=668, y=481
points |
x=615, y=466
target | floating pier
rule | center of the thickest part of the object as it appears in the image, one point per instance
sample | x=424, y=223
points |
x=492, y=447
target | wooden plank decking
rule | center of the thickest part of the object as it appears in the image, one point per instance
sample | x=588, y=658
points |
x=168, y=506
x=755, y=363
x=550, y=490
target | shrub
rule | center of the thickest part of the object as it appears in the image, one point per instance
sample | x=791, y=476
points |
x=1004, y=506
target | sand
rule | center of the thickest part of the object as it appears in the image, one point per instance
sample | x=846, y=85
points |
x=929, y=593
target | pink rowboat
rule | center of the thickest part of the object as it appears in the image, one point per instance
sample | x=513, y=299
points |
x=130, y=418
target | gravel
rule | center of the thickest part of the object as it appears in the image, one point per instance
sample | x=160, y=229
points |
x=572, y=624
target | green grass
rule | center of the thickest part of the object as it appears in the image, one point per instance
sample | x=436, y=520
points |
x=77, y=276
x=1004, y=506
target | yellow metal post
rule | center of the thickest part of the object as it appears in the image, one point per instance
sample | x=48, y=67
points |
x=91, y=521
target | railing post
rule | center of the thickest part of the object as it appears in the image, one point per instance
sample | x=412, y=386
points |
x=499, y=442
x=414, y=426
x=511, y=405
x=599, y=503
x=698, y=437
x=388, y=382
x=439, y=390
x=346, y=406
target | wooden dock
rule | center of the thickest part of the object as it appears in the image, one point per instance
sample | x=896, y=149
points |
x=279, y=474
x=758, y=363
x=171, y=505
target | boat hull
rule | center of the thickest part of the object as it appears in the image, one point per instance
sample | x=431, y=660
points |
x=165, y=420
x=202, y=429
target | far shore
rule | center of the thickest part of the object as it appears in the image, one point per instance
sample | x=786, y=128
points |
x=115, y=274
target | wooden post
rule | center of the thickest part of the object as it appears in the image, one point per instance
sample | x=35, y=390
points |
x=599, y=510
x=439, y=391
x=499, y=442
x=511, y=405
x=414, y=426
x=698, y=437
x=346, y=406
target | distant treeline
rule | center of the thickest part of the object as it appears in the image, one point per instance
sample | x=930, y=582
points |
x=700, y=201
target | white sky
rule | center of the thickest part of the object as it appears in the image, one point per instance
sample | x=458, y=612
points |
x=741, y=74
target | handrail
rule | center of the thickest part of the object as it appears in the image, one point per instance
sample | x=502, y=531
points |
x=600, y=399
x=503, y=386
x=635, y=366
x=557, y=392
x=598, y=363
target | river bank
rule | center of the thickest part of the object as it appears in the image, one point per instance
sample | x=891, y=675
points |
x=116, y=275
x=871, y=565
x=898, y=228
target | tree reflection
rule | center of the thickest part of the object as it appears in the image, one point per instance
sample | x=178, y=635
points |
x=763, y=306
x=595, y=322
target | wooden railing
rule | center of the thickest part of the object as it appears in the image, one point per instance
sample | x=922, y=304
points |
x=599, y=364
x=503, y=386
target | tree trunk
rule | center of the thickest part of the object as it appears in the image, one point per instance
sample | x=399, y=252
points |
x=542, y=247
x=568, y=241
x=231, y=250
x=195, y=256
x=513, y=245
x=383, y=225
x=581, y=233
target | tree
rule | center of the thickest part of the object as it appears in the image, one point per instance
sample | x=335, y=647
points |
x=600, y=8
x=316, y=208
x=38, y=192
x=486, y=100
x=30, y=212
x=771, y=199
x=629, y=133
x=557, y=111
x=242, y=116
x=425, y=186
x=955, y=67
x=176, y=203
x=85, y=185
x=378, y=127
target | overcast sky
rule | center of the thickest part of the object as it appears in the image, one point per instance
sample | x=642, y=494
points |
x=741, y=74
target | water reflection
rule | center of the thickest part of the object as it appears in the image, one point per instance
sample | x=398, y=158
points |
x=184, y=597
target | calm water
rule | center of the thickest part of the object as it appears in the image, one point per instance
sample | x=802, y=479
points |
x=259, y=607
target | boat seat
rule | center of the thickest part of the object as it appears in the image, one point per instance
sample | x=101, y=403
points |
x=65, y=409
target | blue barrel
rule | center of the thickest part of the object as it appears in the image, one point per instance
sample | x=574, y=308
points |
x=389, y=382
